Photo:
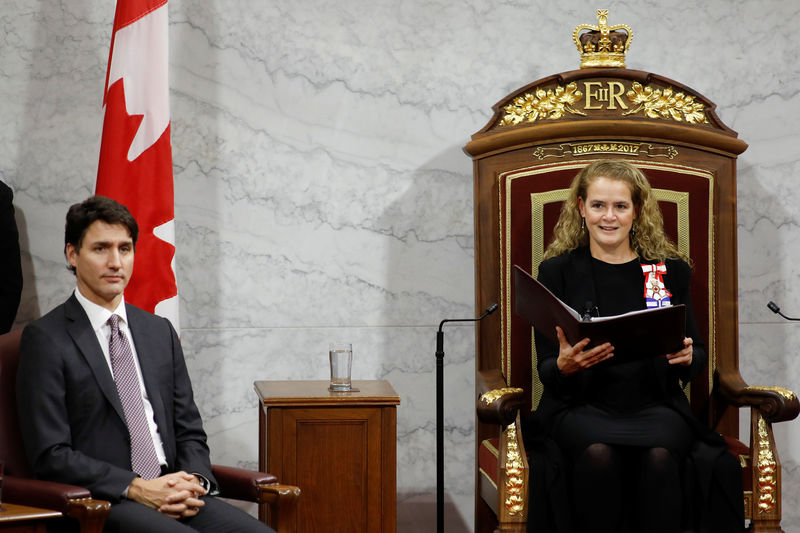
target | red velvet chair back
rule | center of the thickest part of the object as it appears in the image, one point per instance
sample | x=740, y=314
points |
x=530, y=201
x=11, y=448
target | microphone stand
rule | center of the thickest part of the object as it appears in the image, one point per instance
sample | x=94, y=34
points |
x=440, y=413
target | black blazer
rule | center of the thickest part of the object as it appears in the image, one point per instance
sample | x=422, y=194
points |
x=72, y=421
x=711, y=470
x=10, y=265
x=569, y=276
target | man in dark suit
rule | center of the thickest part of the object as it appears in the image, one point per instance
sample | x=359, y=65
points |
x=105, y=399
x=10, y=266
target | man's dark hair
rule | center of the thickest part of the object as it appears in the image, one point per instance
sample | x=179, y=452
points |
x=81, y=216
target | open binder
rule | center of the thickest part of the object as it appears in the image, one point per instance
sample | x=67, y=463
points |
x=638, y=334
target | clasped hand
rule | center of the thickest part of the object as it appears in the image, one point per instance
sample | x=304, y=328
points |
x=176, y=495
x=572, y=358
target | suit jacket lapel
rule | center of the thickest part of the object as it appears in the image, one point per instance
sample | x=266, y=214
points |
x=148, y=355
x=80, y=329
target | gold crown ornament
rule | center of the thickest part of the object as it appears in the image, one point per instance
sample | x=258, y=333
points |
x=602, y=45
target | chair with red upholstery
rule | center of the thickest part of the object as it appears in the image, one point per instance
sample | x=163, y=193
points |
x=524, y=161
x=76, y=503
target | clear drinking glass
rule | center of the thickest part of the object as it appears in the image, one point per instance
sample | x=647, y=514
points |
x=341, y=357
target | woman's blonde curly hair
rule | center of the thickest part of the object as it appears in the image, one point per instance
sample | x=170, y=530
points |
x=647, y=234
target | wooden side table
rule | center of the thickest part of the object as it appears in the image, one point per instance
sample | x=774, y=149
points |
x=23, y=519
x=338, y=447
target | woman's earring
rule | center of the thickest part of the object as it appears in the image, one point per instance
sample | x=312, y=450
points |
x=583, y=223
x=633, y=230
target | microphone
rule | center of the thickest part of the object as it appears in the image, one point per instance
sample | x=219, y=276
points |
x=589, y=308
x=440, y=412
x=489, y=310
x=772, y=306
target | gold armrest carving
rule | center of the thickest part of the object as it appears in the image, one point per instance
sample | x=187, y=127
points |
x=767, y=470
x=515, y=482
x=786, y=393
x=493, y=395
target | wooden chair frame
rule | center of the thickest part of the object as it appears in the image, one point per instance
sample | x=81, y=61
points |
x=652, y=122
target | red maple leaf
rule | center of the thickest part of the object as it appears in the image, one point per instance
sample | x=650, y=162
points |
x=144, y=186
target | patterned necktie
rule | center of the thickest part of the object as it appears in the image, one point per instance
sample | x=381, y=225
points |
x=144, y=460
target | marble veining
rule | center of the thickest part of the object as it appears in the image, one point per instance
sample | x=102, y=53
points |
x=322, y=192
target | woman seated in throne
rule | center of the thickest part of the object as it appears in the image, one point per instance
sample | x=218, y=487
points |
x=635, y=458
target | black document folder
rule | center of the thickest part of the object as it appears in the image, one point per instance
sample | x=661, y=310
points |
x=645, y=333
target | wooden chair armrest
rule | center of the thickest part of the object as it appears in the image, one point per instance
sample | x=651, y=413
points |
x=90, y=513
x=74, y=502
x=282, y=502
x=260, y=487
x=241, y=484
x=775, y=404
x=497, y=403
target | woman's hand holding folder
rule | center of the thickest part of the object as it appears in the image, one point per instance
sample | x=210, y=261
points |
x=683, y=357
x=572, y=358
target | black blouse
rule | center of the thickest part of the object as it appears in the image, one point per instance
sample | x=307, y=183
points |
x=619, y=288
x=576, y=278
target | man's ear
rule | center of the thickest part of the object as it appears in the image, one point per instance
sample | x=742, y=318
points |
x=72, y=254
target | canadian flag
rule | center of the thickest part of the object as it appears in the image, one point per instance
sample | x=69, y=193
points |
x=136, y=153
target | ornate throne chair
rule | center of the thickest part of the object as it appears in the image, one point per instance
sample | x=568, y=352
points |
x=524, y=160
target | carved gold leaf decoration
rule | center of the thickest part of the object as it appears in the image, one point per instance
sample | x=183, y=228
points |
x=493, y=395
x=543, y=104
x=767, y=470
x=515, y=499
x=786, y=393
x=666, y=103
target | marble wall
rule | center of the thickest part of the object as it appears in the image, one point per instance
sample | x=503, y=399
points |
x=322, y=192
